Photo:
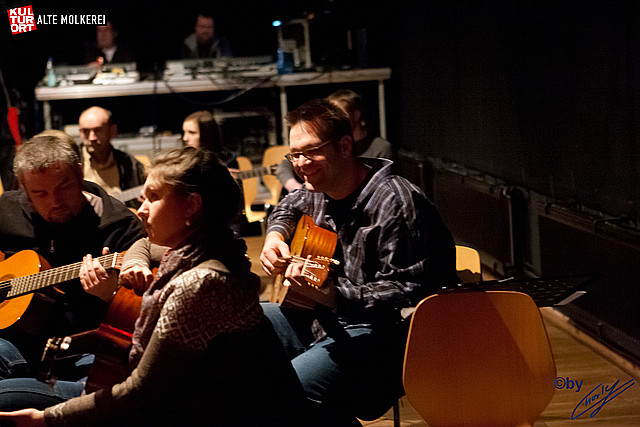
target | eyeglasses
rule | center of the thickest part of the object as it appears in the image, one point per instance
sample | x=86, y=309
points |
x=311, y=154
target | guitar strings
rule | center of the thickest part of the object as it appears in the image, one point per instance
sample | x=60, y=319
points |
x=24, y=284
x=298, y=258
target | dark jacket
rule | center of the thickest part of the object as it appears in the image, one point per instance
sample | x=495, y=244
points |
x=22, y=228
x=123, y=54
x=131, y=172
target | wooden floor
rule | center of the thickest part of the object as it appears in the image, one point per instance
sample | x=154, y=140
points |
x=577, y=357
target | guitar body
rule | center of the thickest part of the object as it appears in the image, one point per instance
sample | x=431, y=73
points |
x=22, y=264
x=110, y=343
x=115, y=332
x=308, y=240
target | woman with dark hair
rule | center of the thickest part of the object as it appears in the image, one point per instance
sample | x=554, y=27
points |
x=201, y=342
x=200, y=130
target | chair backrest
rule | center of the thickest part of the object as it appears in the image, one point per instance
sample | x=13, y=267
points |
x=273, y=156
x=468, y=264
x=249, y=191
x=478, y=358
x=144, y=160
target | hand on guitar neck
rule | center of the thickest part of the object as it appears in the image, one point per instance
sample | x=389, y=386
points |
x=96, y=280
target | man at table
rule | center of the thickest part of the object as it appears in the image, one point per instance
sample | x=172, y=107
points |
x=393, y=251
x=112, y=169
x=205, y=41
x=108, y=46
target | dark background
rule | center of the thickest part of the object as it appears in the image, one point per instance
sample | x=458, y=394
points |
x=155, y=31
x=542, y=96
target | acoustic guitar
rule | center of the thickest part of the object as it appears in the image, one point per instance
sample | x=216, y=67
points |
x=313, y=247
x=21, y=276
x=110, y=343
x=256, y=172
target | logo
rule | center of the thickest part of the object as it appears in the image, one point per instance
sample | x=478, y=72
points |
x=567, y=383
x=593, y=401
x=599, y=396
x=22, y=19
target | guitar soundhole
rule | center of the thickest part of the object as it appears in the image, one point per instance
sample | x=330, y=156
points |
x=4, y=289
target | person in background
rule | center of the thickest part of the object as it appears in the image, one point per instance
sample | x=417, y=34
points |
x=200, y=130
x=365, y=144
x=62, y=218
x=205, y=42
x=201, y=341
x=108, y=46
x=393, y=250
x=112, y=169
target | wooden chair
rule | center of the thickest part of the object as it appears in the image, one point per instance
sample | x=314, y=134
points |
x=250, y=191
x=144, y=160
x=273, y=156
x=469, y=270
x=478, y=358
x=468, y=264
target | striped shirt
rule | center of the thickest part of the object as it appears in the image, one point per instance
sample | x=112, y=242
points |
x=393, y=247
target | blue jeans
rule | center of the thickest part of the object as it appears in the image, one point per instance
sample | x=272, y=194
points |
x=360, y=376
x=17, y=391
x=12, y=363
x=21, y=393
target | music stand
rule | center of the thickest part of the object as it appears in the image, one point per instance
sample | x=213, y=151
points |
x=545, y=291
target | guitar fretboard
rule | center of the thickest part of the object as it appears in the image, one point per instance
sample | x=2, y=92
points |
x=27, y=284
x=133, y=193
x=130, y=194
x=257, y=172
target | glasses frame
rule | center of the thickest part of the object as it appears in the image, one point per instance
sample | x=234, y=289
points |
x=307, y=154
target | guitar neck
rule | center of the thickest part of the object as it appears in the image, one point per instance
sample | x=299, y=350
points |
x=28, y=284
x=130, y=194
x=256, y=172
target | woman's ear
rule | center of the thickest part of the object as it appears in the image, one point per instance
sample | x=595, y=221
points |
x=194, y=205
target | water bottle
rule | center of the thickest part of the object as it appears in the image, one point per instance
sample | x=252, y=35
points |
x=51, y=75
x=285, y=62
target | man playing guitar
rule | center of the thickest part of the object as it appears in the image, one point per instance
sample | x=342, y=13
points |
x=62, y=218
x=393, y=250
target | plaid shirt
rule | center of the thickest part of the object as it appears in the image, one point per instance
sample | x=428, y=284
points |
x=395, y=248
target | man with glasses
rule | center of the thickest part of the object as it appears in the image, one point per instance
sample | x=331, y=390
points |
x=393, y=251
x=365, y=143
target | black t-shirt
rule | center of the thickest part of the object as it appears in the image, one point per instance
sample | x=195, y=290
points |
x=339, y=209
